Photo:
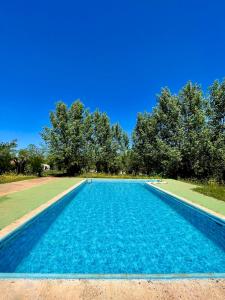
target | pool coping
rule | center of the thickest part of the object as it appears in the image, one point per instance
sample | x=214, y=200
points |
x=55, y=276
x=14, y=226
x=203, y=209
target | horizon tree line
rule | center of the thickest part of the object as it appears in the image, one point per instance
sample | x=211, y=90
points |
x=183, y=136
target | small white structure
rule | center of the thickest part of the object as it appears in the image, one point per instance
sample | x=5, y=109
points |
x=45, y=167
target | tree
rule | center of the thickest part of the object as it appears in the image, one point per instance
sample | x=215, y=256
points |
x=168, y=133
x=35, y=159
x=144, y=142
x=184, y=134
x=217, y=107
x=102, y=138
x=76, y=136
x=89, y=147
x=57, y=137
x=21, y=160
x=157, y=137
x=217, y=129
x=65, y=139
x=79, y=141
x=120, y=145
x=7, y=153
x=195, y=145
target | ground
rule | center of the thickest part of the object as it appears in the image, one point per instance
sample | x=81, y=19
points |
x=112, y=289
x=16, y=186
x=6, y=178
x=32, y=194
x=212, y=190
x=185, y=190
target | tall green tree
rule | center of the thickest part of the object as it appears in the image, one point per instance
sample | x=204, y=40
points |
x=195, y=146
x=76, y=136
x=144, y=144
x=89, y=146
x=120, y=145
x=102, y=139
x=35, y=159
x=80, y=141
x=184, y=135
x=21, y=160
x=157, y=137
x=217, y=107
x=65, y=139
x=7, y=154
x=168, y=133
x=217, y=129
x=57, y=137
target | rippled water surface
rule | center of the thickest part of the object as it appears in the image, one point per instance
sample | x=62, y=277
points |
x=116, y=227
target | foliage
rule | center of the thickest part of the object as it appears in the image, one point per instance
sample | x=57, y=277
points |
x=24, y=161
x=212, y=190
x=35, y=158
x=118, y=176
x=184, y=135
x=11, y=177
x=7, y=152
x=79, y=141
x=217, y=129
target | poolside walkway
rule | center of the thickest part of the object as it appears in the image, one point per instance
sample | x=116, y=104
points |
x=15, y=205
x=12, y=187
x=185, y=190
x=112, y=289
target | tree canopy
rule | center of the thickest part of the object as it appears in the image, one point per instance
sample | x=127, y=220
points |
x=79, y=140
x=182, y=136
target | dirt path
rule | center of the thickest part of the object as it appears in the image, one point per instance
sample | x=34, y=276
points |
x=112, y=289
x=12, y=187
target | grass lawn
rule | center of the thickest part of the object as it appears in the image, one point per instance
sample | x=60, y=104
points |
x=15, y=205
x=212, y=190
x=120, y=176
x=6, y=178
x=195, y=194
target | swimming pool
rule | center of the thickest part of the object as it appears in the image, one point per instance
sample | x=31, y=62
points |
x=116, y=227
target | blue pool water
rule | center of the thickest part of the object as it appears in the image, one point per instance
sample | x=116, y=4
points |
x=117, y=227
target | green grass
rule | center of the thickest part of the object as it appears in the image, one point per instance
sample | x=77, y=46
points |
x=54, y=173
x=193, y=192
x=6, y=178
x=212, y=190
x=15, y=205
x=120, y=176
x=100, y=175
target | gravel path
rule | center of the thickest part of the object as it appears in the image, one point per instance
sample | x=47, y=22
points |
x=112, y=289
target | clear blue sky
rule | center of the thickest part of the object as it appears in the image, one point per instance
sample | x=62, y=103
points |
x=114, y=55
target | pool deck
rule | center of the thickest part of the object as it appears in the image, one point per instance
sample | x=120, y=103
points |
x=33, y=193
x=27, y=217
x=112, y=289
x=185, y=190
x=12, y=187
x=162, y=187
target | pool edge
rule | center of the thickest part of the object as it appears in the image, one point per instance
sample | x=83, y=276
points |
x=16, y=225
x=42, y=276
x=209, y=212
